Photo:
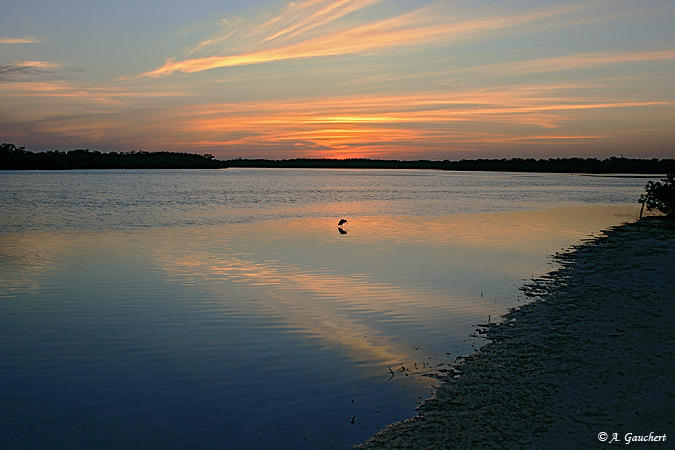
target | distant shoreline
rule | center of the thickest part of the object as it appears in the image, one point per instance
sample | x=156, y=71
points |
x=17, y=158
x=591, y=358
x=594, y=166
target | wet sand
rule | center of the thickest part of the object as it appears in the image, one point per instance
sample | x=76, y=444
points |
x=593, y=353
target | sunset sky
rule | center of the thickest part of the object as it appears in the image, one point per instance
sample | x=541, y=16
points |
x=343, y=78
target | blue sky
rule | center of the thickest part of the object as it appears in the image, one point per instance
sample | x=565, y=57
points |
x=339, y=79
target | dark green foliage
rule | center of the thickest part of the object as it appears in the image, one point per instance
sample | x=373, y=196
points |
x=660, y=195
x=18, y=158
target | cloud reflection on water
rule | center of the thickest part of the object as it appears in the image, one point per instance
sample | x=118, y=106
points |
x=393, y=281
x=192, y=300
x=393, y=284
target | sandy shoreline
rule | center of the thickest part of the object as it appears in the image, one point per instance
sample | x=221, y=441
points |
x=594, y=353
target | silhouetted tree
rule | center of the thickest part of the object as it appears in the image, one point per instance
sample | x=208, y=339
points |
x=660, y=195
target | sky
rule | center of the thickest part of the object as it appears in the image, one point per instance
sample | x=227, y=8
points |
x=385, y=79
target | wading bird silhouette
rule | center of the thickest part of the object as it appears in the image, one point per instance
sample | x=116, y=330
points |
x=342, y=226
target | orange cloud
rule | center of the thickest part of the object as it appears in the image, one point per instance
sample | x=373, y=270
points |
x=315, y=29
x=374, y=124
x=26, y=40
x=39, y=64
x=569, y=62
x=368, y=125
x=60, y=89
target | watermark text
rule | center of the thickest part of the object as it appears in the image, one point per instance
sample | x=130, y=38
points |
x=629, y=438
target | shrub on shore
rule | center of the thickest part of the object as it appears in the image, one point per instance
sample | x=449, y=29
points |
x=660, y=195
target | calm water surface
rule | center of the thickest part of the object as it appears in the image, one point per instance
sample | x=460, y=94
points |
x=223, y=309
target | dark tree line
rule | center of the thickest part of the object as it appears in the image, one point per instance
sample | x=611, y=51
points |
x=569, y=165
x=18, y=158
x=558, y=165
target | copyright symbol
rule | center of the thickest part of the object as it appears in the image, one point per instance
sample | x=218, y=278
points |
x=602, y=436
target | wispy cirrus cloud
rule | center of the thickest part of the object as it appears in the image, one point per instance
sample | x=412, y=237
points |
x=23, y=40
x=372, y=125
x=295, y=20
x=65, y=90
x=569, y=62
x=323, y=28
x=376, y=124
x=27, y=68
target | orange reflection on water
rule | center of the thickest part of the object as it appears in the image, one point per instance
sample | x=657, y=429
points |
x=322, y=303
x=371, y=294
x=518, y=229
x=428, y=273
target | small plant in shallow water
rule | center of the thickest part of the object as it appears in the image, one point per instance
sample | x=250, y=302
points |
x=660, y=195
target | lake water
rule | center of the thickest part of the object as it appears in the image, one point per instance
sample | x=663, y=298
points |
x=224, y=309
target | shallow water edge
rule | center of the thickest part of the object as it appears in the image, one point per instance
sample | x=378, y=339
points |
x=532, y=385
